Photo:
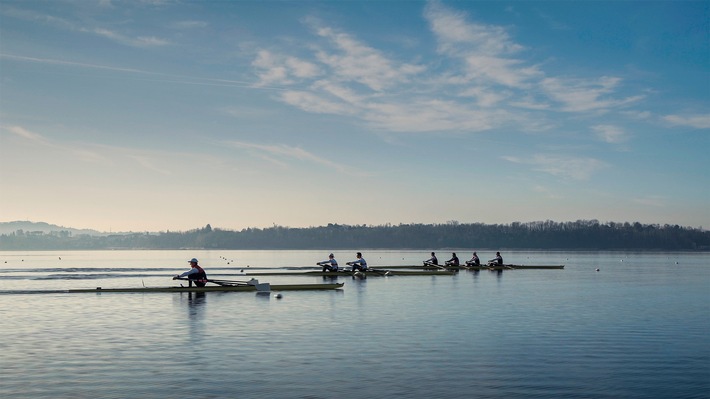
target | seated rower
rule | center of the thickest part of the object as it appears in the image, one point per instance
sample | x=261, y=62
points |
x=359, y=264
x=475, y=261
x=498, y=260
x=330, y=265
x=454, y=261
x=432, y=260
x=196, y=274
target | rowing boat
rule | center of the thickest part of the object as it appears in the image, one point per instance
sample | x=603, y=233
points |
x=480, y=267
x=215, y=288
x=514, y=267
x=466, y=267
x=375, y=272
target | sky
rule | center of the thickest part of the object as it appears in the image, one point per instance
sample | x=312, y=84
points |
x=171, y=115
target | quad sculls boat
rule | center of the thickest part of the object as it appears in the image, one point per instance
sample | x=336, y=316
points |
x=513, y=267
x=481, y=267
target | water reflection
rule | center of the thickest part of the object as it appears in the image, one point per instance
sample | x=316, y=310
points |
x=195, y=302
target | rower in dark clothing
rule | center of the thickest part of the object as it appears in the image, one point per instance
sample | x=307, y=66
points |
x=498, y=260
x=196, y=274
x=432, y=260
x=475, y=261
x=454, y=261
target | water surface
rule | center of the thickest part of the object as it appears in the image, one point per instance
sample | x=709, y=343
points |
x=637, y=328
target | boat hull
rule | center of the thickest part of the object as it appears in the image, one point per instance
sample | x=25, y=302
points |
x=367, y=273
x=484, y=266
x=515, y=267
x=233, y=288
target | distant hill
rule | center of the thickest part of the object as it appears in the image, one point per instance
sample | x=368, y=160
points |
x=27, y=227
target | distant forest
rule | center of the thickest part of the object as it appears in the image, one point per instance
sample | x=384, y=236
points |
x=547, y=235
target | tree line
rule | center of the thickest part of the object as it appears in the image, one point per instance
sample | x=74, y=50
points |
x=548, y=235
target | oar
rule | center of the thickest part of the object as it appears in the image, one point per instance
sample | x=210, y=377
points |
x=433, y=265
x=219, y=282
x=261, y=288
x=471, y=266
x=227, y=282
x=440, y=267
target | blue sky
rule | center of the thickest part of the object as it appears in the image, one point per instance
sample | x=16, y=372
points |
x=169, y=115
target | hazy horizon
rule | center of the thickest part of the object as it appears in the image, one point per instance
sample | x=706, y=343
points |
x=217, y=226
x=155, y=116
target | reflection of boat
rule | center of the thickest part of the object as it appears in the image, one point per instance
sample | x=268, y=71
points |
x=214, y=288
x=371, y=272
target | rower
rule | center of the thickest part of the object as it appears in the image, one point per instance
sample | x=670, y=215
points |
x=432, y=260
x=474, y=261
x=498, y=260
x=196, y=274
x=330, y=265
x=359, y=264
x=454, y=261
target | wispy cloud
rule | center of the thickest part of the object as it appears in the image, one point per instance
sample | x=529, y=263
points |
x=485, y=50
x=480, y=81
x=283, y=152
x=354, y=61
x=315, y=103
x=171, y=78
x=139, y=41
x=580, y=95
x=695, y=121
x=77, y=26
x=576, y=168
x=651, y=200
x=610, y=133
x=80, y=152
x=27, y=135
x=455, y=33
x=277, y=69
x=68, y=63
x=93, y=153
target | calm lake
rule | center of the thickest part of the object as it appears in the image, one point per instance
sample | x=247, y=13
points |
x=637, y=328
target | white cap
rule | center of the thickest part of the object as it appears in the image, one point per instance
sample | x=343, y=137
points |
x=193, y=260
